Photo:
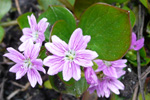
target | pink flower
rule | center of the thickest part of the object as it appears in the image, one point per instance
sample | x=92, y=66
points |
x=107, y=84
x=69, y=57
x=111, y=68
x=136, y=45
x=90, y=76
x=35, y=33
x=27, y=63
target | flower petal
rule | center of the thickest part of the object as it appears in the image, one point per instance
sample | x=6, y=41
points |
x=133, y=38
x=34, y=77
x=78, y=41
x=118, y=84
x=139, y=44
x=58, y=47
x=113, y=88
x=67, y=71
x=38, y=64
x=35, y=51
x=15, y=68
x=27, y=31
x=110, y=71
x=20, y=73
x=24, y=38
x=32, y=51
x=76, y=71
x=32, y=22
x=55, y=63
x=84, y=57
x=42, y=25
x=14, y=55
x=24, y=45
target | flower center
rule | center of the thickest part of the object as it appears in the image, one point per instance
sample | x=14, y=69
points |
x=107, y=63
x=27, y=64
x=35, y=35
x=70, y=55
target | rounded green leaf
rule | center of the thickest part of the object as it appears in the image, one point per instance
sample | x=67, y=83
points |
x=109, y=28
x=2, y=33
x=62, y=30
x=23, y=20
x=115, y=1
x=45, y=3
x=56, y=13
x=76, y=89
x=5, y=6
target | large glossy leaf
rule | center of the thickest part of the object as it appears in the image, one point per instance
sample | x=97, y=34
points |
x=114, y=1
x=2, y=33
x=23, y=20
x=5, y=6
x=56, y=13
x=45, y=3
x=76, y=89
x=62, y=29
x=109, y=28
x=81, y=5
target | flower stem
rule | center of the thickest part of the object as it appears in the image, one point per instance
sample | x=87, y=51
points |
x=10, y=23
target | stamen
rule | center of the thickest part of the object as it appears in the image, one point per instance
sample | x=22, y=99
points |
x=107, y=63
x=70, y=55
x=27, y=64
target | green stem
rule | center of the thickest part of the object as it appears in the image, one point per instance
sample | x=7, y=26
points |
x=10, y=23
x=67, y=4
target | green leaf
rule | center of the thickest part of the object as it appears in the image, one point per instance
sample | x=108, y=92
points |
x=132, y=15
x=148, y=28
x=5, y=6
x=70, y=82
x=116, y=97
x=146, y=4
x=23, y=20
x=42, y=53
x=114, y=1
x=132, y=57
x=81, y=5
x=2, y=33
x=95, y=66
x=56, y=13
x=71, y=2
x=147, y=96
x=76, y=89
x=62, y=29
x=45, y=3
x=47, y=84
x=109, y=28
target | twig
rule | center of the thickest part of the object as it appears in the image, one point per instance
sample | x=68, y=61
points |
x=10, y=23
x=141, y=23
x=2, y=88
x=18, y=90
x=145, y=73
x=135, y=92
x=17, y=84
x=18, y=7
